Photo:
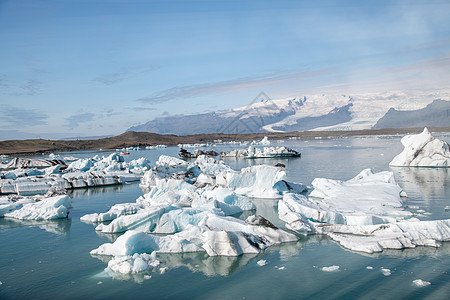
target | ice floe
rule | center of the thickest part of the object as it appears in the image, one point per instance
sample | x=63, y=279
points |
x=368, y=198
x=362, y=214
x=191, y=204
x=330, y=268
x=421, y=283
x=422, y=150
x=266, y=152
x=51, y=208
x=96, y=171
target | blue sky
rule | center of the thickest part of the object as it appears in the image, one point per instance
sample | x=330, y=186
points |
x=94, y=68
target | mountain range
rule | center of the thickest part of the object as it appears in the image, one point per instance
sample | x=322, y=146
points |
x=314, y=112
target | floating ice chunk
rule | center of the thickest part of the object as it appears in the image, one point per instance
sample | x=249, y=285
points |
x=82, y=165
x=330, y=269
x=163, y=270
x=376, y=238
x=114, y=212
x=144, y=220
x=386, y=272
x=224, y=199
x=366, y=199
x=169, y=191
x=47, y=209
x=131, y=264
x=266, y=152
x=265, y=141
x=421, y=283
x=256, y=181
x=261, y=262
x=369, y=268
x=225, y=236
x=210, y=166
x=422, y=150
x=129, y=243
x=7, y=206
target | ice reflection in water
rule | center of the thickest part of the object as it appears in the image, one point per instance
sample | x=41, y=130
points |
x=59, y=226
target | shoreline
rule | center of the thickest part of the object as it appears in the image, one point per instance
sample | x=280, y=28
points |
x=142, y=139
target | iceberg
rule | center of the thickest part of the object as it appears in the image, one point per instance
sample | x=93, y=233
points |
x=399, y=235
x=368, y=198
x=362, y=214
x=217, y=235
x=267, y=152
x=46, y=209
x=95, y=171
x=136, y=263
x=186, y=154
x=256, y=181
x=422, y=150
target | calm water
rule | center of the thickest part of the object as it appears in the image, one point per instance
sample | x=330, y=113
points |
x=51, y=259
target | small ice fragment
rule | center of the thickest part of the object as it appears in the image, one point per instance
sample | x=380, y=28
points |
x=262, y=262
x=163, y=270
x=330, y=269
x=386, y=272
x=99, y=282
x=369, y=268
x=281, y=268
x=421, y=283
x=447, y=208
x=147, y=276
x=413, y=206
x=1, y=283
x=420, y=211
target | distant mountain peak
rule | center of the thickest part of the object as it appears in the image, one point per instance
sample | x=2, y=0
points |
x=312, y=112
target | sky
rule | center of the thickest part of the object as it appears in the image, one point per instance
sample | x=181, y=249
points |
x=84, y=68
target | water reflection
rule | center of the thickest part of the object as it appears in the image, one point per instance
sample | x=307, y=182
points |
x=94, y=190
x=418, y=252
x=59, y=226
x=426, y=182
x=208, y=265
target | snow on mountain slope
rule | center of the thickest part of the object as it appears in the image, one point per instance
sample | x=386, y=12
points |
x=312, y=112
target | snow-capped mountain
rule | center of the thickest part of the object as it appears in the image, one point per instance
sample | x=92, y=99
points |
x=311, y=112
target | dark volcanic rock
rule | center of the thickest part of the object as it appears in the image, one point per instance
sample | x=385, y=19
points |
x=435, y=114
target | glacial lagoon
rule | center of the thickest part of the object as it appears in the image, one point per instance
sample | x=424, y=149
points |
x=50, y=259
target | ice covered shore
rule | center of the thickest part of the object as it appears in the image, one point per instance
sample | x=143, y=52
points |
x=422, y=150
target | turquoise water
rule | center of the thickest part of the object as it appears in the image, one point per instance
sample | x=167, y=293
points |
x=51, y=259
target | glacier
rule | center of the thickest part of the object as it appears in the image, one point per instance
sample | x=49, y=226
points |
x=422, y=150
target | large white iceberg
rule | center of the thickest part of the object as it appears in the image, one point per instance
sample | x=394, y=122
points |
x=95, y=171
x=266, y=152
x=422, y=150
x=365, y=199
x=56, y=207
x=214, y=234
x=362, y=214
x=400, y=235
